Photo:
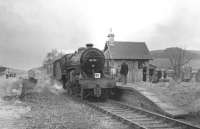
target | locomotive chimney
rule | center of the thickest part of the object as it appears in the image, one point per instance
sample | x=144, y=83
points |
x=89, y=45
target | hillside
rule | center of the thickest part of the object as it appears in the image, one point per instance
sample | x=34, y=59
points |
x=162, y=54
x=17, y=71
x=160, y=59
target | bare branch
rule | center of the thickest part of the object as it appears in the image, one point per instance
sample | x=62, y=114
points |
x=178, y=58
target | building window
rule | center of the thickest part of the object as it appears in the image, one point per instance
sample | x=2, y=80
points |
x=140, y=64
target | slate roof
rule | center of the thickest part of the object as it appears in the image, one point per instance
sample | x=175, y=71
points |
x=127, y=50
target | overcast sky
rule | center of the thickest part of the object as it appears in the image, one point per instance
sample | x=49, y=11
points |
x=31, y=28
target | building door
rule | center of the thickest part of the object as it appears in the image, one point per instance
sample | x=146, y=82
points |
x=131, y=71
x=144, y=74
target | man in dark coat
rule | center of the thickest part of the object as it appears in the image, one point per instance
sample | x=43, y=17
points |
x=124, y=72
x=64, y=79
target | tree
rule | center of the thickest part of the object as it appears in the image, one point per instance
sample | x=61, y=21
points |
x=178, y=57
x=51, y=57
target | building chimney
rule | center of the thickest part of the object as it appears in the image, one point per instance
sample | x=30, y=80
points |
x=111, y=37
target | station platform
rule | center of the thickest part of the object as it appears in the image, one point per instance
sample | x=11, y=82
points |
x=166, y=107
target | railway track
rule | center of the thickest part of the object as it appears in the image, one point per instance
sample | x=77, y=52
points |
x=138, y=118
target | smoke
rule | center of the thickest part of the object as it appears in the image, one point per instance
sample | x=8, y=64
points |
x=181, y=30
x=30, y=29
x=46, y=85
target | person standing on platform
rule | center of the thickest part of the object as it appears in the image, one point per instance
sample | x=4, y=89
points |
x=124, y=72
x=64, y=79
x=113, y=72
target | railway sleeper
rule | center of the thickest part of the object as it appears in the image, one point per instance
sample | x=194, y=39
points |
x=147, y=121
x=136, y=113
x=154, y=123
x=130, y=117
x=151, y=123
x=133, y=115
x=156, y=126
x=173, y=128
x=165, y=128
x=122, y=111
x=134, y=118
x=139, y=119
x=117, y=109
x=108, y=106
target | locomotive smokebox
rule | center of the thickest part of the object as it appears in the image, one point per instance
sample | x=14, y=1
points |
x=89, y=45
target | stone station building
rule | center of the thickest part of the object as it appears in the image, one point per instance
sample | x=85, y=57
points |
x=135, y=54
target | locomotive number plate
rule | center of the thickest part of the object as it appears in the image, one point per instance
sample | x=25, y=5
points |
x=97, y=75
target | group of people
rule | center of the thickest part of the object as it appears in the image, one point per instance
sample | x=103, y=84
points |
x=123, y=72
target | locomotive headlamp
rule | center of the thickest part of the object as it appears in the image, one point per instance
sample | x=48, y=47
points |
x=92, y=60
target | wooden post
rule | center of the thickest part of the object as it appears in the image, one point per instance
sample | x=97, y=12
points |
x=82, y=93
x=147, y=74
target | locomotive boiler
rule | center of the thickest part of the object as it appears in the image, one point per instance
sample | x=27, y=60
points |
x=82, y=73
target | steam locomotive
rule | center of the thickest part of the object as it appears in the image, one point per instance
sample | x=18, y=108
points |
x=82, y=73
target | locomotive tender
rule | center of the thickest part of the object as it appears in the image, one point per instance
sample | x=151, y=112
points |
x=82, y=73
